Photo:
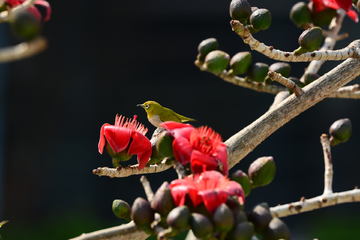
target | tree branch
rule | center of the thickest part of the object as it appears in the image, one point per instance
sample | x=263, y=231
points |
x=243, y=142
x=127, y=231
x=22, y=50
x=351, y=51
x=328, y=175
x=305, y=205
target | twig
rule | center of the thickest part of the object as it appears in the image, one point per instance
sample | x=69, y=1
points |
x=347, y=92
x=23, y=50
x=286, y=82
x=242, y=82
x=328, y=175
x=318, y=202
x=127, y=231
x=179, y=169
x=130, y=170
x=243, y=142
x=147, y=188
x=351, y=51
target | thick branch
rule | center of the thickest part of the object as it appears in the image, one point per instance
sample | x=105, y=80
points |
x=243, y=142
x=124, y=232
x=306, y=205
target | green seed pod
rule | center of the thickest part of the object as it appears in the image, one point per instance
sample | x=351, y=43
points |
x=324, y=17
x=277, y=230
x=142, y=214
x=309, y=40
x=201, y=226
x=262, y=171
x=223, y=219
x=164, y=145
x=240, y=63
x=260, y=217
x=121, y=209
x=155, y=157
x=258, y=72
x=310, y=77
x=242, y=231
x=300, y=14
x=340, y=131
x=25, y=25
x=243, y=179
x=281, y=67
x=163, y=202
x=179, y=218
x=240, y=10
x=261, y=19
x=217, y=61
x=207, y=46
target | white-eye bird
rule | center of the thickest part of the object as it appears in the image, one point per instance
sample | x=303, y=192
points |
x=158, y=114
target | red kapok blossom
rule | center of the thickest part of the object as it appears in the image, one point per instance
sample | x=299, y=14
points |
x=202, y=147
x=210, y=187
x=336, y=4
x=125, y=139
x=33, y=9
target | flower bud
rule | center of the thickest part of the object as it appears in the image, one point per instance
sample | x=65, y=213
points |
x=309, y=40
x=117, y=157
x=300, y=14
x=281, y=67
x=142, y=214
x=242, y=231
x=258, y=72
x=262, y=171
x=163, y=202
x=310, y=77
x=243, y=179
x=223, y=219
x=201, y=226
x=340, y=131
x=277, y=230
x=324, y=17
x=260, y=217
x=261, y=19
x=25, y=25
x=240, y=10
x=240, y=63
x=207, y=46
x=217, y=61
x=179, y=218
x=121, y=209
x=164, y=145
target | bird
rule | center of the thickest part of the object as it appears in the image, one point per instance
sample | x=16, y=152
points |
x=158, y=114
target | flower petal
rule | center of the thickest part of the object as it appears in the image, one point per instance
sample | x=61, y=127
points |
x=353, y=15
x=143, y=158
x=344, y=4
x=201, y=162
x=221, y=156
x=213, y=198
x=182, y=150
x=117, y=137
x=178, y=129
x=182, y=187
x=139, y=143
x=47, y=6
x=235, y=189
x=102, y=140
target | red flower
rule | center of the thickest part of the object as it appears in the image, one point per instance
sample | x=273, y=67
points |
x=33, y=9
x=336, y=4
x=126, y=139
x=202, y=147
x=210, y=187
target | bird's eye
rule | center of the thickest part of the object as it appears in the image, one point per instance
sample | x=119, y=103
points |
x=146, y=106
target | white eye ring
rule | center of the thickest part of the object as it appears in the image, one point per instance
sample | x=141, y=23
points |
x=146, y=106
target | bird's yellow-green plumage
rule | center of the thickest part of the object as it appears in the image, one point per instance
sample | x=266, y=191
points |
x=158, y=114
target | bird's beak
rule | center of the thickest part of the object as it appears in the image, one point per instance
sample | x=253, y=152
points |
x=140, y=105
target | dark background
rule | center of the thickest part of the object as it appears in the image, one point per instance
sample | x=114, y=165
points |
x=104, y=57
